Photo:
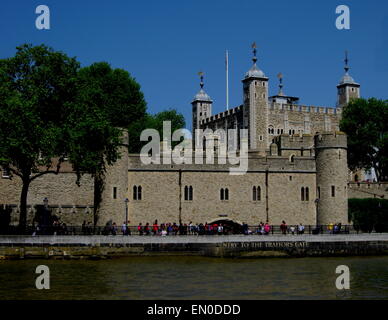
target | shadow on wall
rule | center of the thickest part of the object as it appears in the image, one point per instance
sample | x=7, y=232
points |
x=5, y=217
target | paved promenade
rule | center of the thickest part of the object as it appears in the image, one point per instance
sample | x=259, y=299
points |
x=119, y=239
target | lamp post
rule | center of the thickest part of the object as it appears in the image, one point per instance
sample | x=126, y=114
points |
x=45, y=218
x=316, y=211
x=45, y=202
x=126, y=210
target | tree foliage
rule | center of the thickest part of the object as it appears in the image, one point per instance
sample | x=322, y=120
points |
x=154, y=122
x=369, y=214
x=108, y=101
x=51, y=109
x=366, y=124
x=37, y=90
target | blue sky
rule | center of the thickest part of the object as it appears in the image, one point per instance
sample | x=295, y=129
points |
x=164, y=44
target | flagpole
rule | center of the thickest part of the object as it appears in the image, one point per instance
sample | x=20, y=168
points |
x=227, y=79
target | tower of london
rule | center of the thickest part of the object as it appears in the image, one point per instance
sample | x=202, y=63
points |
x=297, y=169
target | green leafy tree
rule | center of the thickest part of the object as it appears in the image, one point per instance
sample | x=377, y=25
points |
x=154, y=122
x=366, y=124
x=37, y=89
x=369, y=214
x=108, y=101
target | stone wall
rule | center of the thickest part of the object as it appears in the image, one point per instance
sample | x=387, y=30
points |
x=113, y=205
x=368, y=190
x=280, y=182
x=73, y=247
x=68, y=201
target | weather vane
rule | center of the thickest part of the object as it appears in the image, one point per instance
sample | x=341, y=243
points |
x=254, y=59
x=346, y=61
x=201, y=77
x=280, y=76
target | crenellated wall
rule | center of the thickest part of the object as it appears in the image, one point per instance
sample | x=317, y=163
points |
x=368, y=190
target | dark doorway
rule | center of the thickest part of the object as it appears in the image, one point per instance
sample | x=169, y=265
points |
x=230, y=226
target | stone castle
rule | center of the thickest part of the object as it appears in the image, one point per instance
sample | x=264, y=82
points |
x=297, y=170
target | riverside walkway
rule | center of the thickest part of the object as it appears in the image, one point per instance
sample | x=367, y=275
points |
x=238, y=246
x=120, y=239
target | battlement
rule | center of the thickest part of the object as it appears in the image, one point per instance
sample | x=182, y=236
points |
x=288, y=144
x=222, y=115
x=331, y=140
x=302, y=108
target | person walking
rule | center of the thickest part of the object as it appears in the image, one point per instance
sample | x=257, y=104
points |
x=124, y=228
x=147, y=229
x=301, y=229
x=155, y=228
x=283, y=227
x=267, y=229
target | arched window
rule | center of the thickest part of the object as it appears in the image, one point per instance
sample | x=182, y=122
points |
x=139, y=193
x=186, y=193
x=292, y=158
x=222, y=194
x=226, y=194
x=307, y=194
x=134, y=192
x=302, y=194
x=258, y=193
x=254, y=194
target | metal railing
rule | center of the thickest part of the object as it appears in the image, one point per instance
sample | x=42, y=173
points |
x=178, y=230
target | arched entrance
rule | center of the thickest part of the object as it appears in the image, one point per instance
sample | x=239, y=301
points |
x=230, y=226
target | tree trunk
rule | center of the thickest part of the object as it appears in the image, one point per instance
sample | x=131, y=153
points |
x=23, y=205
x=98, y=190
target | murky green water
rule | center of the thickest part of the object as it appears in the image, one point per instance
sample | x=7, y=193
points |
x=196, y=278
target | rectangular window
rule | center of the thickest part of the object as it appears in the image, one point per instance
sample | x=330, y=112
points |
x=319, y=192
x=114, y=192
x=333, y=191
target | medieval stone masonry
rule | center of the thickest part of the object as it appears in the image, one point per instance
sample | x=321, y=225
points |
x=297, y=170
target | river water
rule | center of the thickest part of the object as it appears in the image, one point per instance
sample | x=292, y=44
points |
x=196, y=278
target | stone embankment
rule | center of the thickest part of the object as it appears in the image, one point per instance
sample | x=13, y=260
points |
x=100, y=247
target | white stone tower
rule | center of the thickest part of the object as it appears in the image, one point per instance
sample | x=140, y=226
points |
x=332, y=178
x=201, y=106
x=255, y=114
x=347, y=88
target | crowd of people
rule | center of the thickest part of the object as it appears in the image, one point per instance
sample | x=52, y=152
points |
x=166, y=229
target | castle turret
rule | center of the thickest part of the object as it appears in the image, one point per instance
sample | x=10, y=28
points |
x=255, y=113
x=347, y=88
x=332, y=170
x=115, y=189
x=202, y=106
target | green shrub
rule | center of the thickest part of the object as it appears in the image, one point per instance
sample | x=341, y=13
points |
x=369, y=214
